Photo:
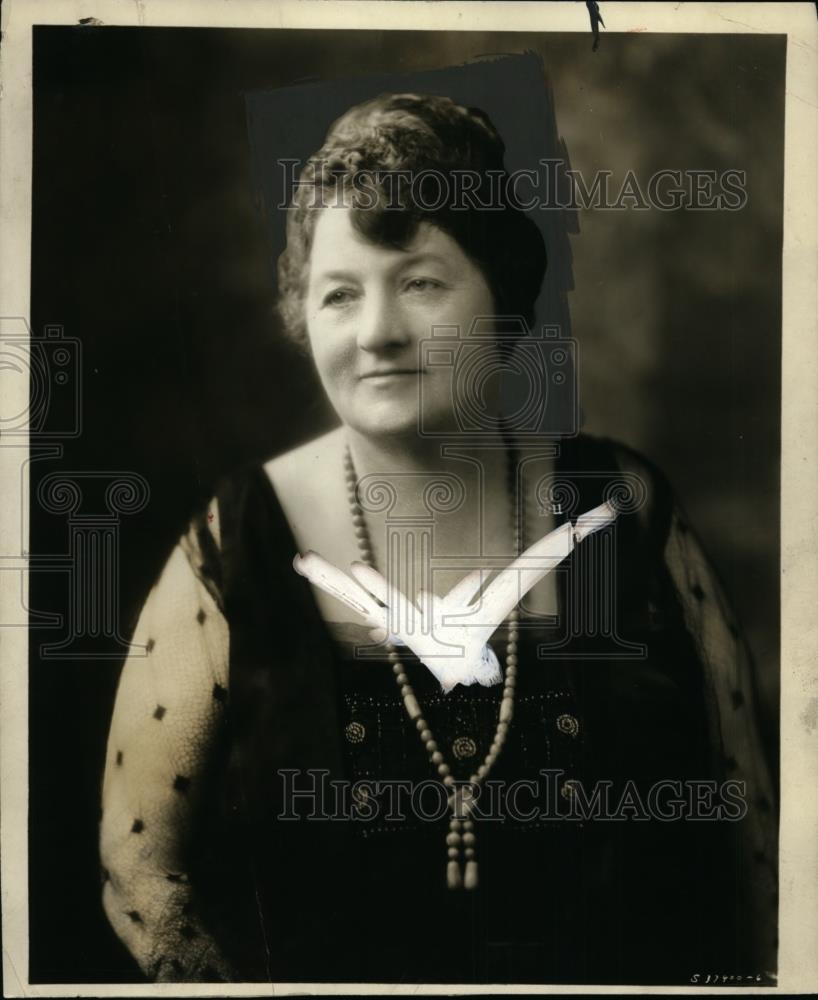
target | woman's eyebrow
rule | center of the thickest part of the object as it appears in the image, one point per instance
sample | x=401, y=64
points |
x=411, y=260
x=424, y=257
x=336, y=276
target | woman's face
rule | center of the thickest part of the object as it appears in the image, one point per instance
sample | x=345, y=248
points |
x=369, y=308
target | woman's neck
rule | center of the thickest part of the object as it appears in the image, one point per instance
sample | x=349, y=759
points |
x=460, y=486
x=422, y=456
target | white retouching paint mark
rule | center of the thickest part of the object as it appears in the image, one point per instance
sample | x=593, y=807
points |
x=450, y=634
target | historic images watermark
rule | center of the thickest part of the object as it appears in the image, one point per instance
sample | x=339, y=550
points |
x=554, y=186
x=311, y=795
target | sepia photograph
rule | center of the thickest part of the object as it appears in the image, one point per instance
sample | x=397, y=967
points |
x=398, y=535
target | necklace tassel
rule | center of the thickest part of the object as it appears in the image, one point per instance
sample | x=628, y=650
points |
x=454, y=879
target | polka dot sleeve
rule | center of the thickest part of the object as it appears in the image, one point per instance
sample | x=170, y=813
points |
x=729, y=694
x=169, y=707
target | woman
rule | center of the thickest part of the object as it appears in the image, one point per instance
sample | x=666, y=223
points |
x=228, y=852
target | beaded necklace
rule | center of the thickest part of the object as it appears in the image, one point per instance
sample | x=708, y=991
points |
x=461, y=869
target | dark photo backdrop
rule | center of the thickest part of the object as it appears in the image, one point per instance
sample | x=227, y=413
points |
x=150, y=247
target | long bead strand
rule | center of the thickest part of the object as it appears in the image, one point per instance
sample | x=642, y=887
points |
x=461, y=869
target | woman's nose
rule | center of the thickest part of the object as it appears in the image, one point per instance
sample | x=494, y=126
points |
x=382, y=324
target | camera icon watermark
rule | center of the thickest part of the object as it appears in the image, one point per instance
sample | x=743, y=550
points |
x=40, y=409
x=49, y=365
x=501, y=378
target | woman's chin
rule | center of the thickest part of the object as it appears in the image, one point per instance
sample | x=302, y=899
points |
x=376, y=423
x=384, y=421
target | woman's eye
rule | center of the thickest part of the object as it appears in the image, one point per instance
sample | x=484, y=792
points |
x=338, y=297
x=423, y=285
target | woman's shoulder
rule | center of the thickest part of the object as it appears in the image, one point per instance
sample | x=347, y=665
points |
x=637, y=479
x=616, y=453
x=310, y=487
x=303, y=465
x=309, y=482
x=301, y=484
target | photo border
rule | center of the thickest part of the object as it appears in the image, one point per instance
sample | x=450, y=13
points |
x=798, y=850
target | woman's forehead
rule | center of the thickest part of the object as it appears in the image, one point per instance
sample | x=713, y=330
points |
x=336, y=242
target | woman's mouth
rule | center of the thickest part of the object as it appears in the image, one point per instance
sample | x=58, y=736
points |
x=389, y=374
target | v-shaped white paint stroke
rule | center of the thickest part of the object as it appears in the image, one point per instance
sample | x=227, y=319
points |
x=450, y=634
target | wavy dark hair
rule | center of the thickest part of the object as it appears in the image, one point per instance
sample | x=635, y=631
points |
x=433, y=140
